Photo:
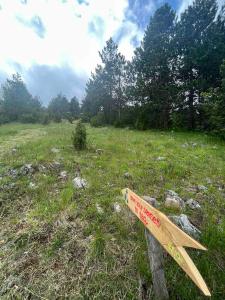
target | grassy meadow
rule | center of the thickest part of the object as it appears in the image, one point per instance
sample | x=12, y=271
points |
x=55, y=242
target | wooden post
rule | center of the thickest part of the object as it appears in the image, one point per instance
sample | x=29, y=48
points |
x=155, y=256
x=170, y=237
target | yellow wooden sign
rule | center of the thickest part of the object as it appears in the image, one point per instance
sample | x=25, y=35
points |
x=171, y=237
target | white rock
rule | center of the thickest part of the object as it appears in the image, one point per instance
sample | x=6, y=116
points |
x=99, y=209
x=208, y=180
x=202, y=188
x=32, y=185
x=79, y=183
x=127, y=175
x=99, y=151
x=14, y=150
x=159, y=158
x=193, y=204
x=55, y=150
x=117, y=207
x=185, y=145
x=173, y=200
x=151, y=200
x=186, y=225
x=63, y=175
x=55, y=164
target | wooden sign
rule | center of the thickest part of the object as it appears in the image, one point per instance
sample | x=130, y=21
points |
x=171, y=237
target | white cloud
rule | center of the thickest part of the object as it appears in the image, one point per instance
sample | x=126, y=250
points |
x=67, y=39
x=185, y=3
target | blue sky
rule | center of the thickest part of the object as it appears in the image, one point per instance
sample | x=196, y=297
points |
x=54, y=44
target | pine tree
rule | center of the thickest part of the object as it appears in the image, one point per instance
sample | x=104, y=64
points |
x=154, y=66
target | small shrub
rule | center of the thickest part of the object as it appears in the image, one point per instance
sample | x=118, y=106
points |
x=98, y=120
x=79, y=136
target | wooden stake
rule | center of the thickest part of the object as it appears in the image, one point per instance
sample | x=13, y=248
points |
x=172, y=238
x=155, y=256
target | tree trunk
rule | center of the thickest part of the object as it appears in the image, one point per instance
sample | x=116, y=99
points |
x=191, y=117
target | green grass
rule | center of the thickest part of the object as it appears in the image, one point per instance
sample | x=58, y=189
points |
x=55, y=245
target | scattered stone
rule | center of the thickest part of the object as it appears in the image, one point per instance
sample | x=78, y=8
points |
x=79, y=183
x=99, y=209
x=41, y=168
x=55, y=150
x=185, y=145
x=8, y=284
x=55, y=165
x=13, y=173
x=186, y=225
x=127, y=175
x=173, y=200
x=117, y=207
x=14, y=150
x=208, y=180
x=194, y=144
x=151, y=200
x=99, y=151
x=193, y=204
x=63, y=175
x=202, y=188
x=27, y=169
x=32, y=185
x=159, y=158
x=8, y=187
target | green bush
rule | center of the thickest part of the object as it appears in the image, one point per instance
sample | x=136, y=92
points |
x=79, y=136
x=29, y=118
x=84, y=117
x=4, y=119
x=98, y=120
x=119, y=124
x=57, y=119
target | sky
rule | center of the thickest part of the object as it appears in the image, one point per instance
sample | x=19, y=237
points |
x=54, y=44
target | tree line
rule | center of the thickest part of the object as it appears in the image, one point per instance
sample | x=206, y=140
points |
x=18, y=105
x=176, y=78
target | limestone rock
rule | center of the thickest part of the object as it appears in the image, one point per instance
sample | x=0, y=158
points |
x=63, y=175
x=79, y=183
x=202, y=188
x=99, y=151
x=183, y=222
x=151, y=200
x=99, y=209
x=127, y=175
x=193, y=204
x=55, y=150
x=32, y=185
x=27, y=169
x=173, y=200
x=117, y=207
x=160, y=158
